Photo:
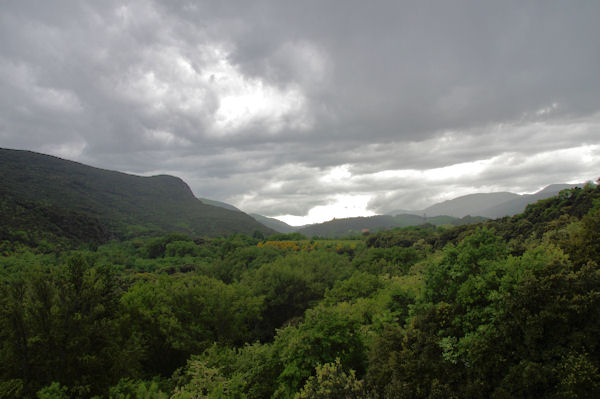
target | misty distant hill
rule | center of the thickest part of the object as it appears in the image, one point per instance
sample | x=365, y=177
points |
x=518, y=205
x=472, y=204
x=349, y=226
x=489, y=205
x=275, y=224
x=124, y=204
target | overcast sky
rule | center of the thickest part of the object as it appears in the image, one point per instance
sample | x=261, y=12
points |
x=308, y=110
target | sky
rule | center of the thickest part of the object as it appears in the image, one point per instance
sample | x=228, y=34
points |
x=309, y=110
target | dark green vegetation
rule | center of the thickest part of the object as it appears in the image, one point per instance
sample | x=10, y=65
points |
x=60, y=199
x=508, y=308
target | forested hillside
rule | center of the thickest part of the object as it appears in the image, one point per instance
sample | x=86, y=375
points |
x=508, y=308
x=105, y=203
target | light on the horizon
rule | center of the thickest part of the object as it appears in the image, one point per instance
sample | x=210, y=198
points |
x=343, y=206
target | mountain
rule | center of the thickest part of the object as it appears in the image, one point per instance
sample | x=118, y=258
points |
x=349, y=226
x=275, y=224
x=38, y=225
x=219, y=204
x=518, y=205
x=472, y=204
x=124, y=204
x=488, y=205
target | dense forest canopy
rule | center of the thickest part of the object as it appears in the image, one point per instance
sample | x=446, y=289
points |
x=506, y=308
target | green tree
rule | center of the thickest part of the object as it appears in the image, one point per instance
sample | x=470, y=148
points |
x=63, y=325
x=176, y=316
x=130, y=389
x=292, y=284
x=332, y=382
x=53, y=391
x=326, y=334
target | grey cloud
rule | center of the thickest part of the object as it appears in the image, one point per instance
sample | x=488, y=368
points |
x=517, y=172
x=378, y=86
x=443, y=66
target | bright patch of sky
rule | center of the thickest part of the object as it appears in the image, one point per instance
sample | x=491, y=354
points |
x=208, y=84
x=341, y=206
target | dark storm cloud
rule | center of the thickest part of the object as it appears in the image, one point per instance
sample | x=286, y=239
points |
x=280, y=106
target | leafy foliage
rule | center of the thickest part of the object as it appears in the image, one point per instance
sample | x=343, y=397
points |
x=503, y=308
x=332, y=382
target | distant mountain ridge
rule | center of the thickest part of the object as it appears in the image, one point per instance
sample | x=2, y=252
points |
x=126, y=204
x=518, y=205
x=471, y=208
x=67, y=198
x=489, y=205
x=471, y=204
x=358, y=225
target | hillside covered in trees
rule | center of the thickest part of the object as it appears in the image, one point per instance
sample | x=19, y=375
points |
x=56, y=199
x=357, y=225
x=508, y=308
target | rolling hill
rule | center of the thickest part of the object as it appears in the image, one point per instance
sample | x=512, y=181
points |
x=349, y=226
x=471, y=204
x=124, y=204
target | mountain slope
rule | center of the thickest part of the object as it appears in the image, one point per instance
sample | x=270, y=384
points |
x=518, y=205
x=272, y=223
x=37, y=225
x=219, y=204
x=472, y=204
x=125, y=204
x=488, y=205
